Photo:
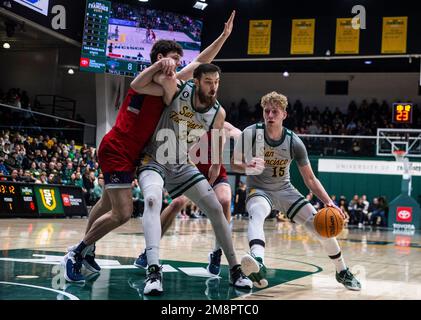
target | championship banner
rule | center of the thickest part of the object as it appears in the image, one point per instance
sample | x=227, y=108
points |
x=347, y=38
x=259, y=36
x=302, y=37
x=49, y=200
x=394, y=36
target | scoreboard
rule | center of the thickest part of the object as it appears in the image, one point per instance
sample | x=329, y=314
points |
x=94, y=43
x=402, y=113
x=17, y=200
x=28, y=200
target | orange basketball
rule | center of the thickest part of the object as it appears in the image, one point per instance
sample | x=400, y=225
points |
x=328, y=222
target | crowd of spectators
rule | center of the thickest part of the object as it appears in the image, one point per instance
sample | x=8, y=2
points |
x=359, y=210
x=359, y=119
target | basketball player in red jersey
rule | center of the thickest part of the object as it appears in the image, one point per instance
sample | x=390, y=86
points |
x=222, y=189
x=120, y=148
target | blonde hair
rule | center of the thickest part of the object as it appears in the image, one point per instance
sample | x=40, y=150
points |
x=275, y=98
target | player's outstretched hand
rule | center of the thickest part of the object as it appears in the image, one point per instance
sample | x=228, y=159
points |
x=255, y=166
x=228, y=25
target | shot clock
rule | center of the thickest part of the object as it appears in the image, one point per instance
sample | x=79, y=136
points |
x=402, y=113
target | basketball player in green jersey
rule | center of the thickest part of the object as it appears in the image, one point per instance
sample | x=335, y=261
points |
x=192, y=111
x=269, y=187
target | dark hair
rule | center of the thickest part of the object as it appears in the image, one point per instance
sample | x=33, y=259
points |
x=164, y=47
x=205, y=68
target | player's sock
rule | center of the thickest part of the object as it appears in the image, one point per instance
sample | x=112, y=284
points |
x=80, y=247
x=258, y=209
x=152, y=184
x=257, y=248
x=338, y=261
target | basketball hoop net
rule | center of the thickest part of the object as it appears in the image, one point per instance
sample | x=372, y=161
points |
x=400, y=157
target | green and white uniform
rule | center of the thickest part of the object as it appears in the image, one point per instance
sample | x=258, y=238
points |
x=185, y=125
x=274, y=182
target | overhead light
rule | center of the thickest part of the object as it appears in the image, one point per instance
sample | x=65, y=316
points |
x=286, y=74
x=143, y=0
x=71, y=71
x=201, y=5
x=6, y=45
x=368, y=62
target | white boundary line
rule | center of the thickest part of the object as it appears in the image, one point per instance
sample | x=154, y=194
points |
x=70, y=296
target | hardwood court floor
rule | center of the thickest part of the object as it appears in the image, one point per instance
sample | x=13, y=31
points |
x=387, y=264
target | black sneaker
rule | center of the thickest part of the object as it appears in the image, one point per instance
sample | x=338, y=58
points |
x=153, y=282
x=238, y=279
x=214, y=266
x=89, y=260
x=348, y=280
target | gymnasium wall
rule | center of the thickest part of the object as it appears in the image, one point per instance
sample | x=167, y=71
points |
x=310, y=87
x=348, y=184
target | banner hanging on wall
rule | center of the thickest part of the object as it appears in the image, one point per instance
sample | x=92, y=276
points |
x=347, y=38
x=302, y=36
x=394, y=35
x=259, y=36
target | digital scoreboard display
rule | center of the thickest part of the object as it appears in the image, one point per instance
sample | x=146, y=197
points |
x=402, y=113
x=95, y=32
x=28, y=200
x=118, y=37
x=17, y=200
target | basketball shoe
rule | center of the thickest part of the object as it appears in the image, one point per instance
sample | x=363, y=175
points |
x=238, y=279
x=348, y=280
x=141, y=261
x=214, y=266
x=88, y=255
x=72, y=263
x=153, y=282
x=254, y=268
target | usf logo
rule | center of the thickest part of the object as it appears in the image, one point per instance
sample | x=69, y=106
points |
x=48, y=198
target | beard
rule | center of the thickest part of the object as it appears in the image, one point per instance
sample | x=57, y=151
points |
x=206, y=99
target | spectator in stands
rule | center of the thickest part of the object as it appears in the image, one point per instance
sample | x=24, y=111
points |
x=379, y=208
x=240, y=200
x=136, y=197
x=98, y=189
x=352, y=207
x=14, y=176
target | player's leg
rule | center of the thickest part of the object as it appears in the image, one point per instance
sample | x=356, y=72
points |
x=167, y=218
x=102, y=206
x=258, y=207
x=223, y=194
x=170, y=212
x=305, y=217
x=203, y=195
x=152, y=184
x=122, y=207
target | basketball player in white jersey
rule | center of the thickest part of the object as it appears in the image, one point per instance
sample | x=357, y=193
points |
x=270, y=188
x=192, y=111
x=223, y=192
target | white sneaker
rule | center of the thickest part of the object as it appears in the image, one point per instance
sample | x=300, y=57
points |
x=153, y=282
x=254, y=268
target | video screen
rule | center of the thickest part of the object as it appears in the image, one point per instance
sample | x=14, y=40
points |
x=133, y=30
x=118, y=37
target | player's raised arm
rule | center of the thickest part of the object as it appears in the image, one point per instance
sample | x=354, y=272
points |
x=144, y=84
x=207, y=55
